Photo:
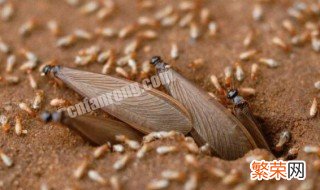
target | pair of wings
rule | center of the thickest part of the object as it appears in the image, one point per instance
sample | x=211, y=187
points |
x=190, y=108
x=148, y=111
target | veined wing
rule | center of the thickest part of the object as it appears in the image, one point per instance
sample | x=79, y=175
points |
x=100, y=130
x=213, y=122
x=151, y=111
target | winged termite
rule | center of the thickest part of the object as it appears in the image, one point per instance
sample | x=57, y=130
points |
x=244, y=115
x=226, y=135
x=146, y=110
x=98, y=130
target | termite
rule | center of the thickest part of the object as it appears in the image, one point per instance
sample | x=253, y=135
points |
x=285, y=136
x=248, y=39
x=173, y=175
x=143, y=150
x=106, y=32
x=205, y=16
x=127, y=30
x=32, y=81
x=186, y=20
x=38, y=100
x=18, y=126
x=257, y=12
x=191, y=145
x=196, y=64
x=216, y=84
x=27, y=27
x=82, y=34
x=239, y=74
x=187, y=5
x=11, y=79
x=115, y=182
x=7, y=12
x=228, y=76
x=108, y=65
x=247, y=55
x=6, y=159
x=213, y=28
x=288, y=25
x=269, y=62
x=310, y=149
x=166, y=149
x=314, y=108
x=95, y=176
x=97, y=130
x=192, y=182
x=89, y=7
x=101, y=150
x=81, y=170
x=4, y=121
x=246, y=91
x=194, y=31
x=158, y=184
x=54, y=28
x=105, y=12
x=254, y=71
x=108, y=89
x=280, y=43
x=134, y=145
x=170, y=20
x=11, y=61
x=132, y=47
x=27, y=109
x=121, y=163
x=164, y=12
x=66, y=41
x=118, y=148
x=122, y=72
x=174, y=51
x=147, y=21
x=215, y=128
x=104, y=56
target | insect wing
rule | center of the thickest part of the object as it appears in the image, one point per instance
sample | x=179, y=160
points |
x=246, y=117
x=147, y=110
x=213, y=122
x=100, y=130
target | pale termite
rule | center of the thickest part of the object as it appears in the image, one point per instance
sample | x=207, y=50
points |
x=140, y=106
x=212, y=122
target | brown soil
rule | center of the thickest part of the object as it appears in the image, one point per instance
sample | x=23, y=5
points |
x=50, y=153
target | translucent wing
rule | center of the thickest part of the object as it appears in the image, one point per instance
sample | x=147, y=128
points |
x=145, y=110
x=100, y=130
x=227, y=137
x=246, y=117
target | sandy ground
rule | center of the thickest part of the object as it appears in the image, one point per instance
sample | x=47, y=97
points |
x=49, y=154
